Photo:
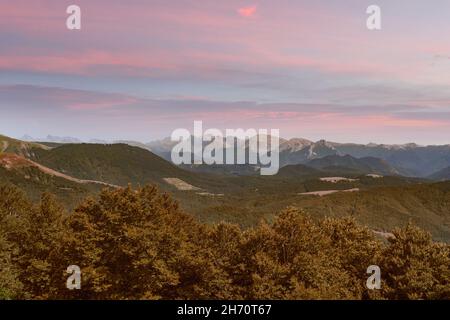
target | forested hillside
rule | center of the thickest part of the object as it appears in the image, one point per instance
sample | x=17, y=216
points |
x=138, y=244
x=74, y=171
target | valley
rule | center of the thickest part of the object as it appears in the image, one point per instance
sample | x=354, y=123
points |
x=368, y=189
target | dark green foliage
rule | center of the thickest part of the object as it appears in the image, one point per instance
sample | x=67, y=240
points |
x=383, y=203
x=118, y=164
x=138, y=244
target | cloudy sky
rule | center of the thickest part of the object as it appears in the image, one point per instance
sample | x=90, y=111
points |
x=139, y=69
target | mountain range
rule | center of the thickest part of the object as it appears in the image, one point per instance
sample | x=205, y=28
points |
x=408, y=159
x=381, y=196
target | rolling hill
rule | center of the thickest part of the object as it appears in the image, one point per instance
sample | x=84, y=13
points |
x=122, y=164
x=26, y=149
x=73, y=171
x=36, y=179
x=381, y=208
x=117, y=164
x=300, y=170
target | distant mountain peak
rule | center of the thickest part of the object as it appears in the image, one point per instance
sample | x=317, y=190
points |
x=58, y=139
x=295, y=144
x=410, y=145
x=27, y=138
x=326, y=143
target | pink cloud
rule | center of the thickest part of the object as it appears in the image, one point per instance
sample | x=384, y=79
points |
x=247, y=12
x=83, y=62
x=100, y=105
x=219, y=42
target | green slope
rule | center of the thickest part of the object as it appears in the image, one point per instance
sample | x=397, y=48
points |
x=118, y=164
x=35, y=182
x=382, y=203
x=381, y=208
x=26, y=149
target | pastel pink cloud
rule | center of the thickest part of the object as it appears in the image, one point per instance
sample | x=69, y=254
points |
x=247, y=12
x=220, y=41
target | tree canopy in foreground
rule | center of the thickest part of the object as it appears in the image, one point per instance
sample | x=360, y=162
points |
x=138, y=244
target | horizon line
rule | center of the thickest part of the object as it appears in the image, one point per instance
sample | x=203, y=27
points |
x=78, y=140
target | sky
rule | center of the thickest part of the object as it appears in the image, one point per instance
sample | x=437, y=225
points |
x=139, y=69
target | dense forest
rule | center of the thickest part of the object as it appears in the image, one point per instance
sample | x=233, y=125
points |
x=139, y=244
